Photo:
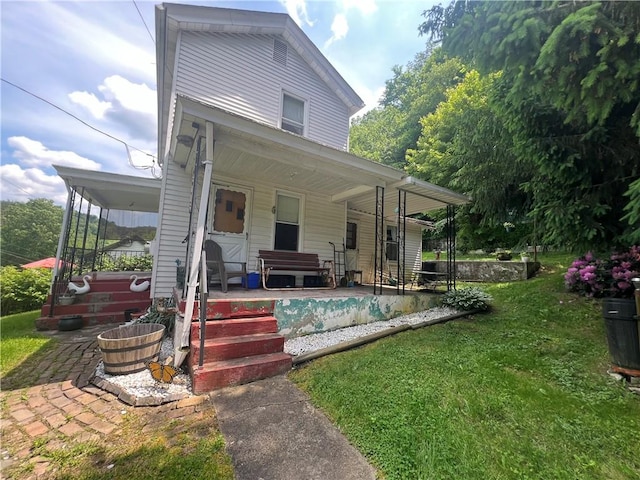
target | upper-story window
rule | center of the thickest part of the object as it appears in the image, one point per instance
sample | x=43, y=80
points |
x=293, y=114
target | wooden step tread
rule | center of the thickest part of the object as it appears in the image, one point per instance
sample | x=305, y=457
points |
x=243, y=361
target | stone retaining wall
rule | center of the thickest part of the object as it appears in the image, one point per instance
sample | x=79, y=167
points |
x=491, y=271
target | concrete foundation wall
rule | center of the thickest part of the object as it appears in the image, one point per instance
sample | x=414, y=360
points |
x=491, y=271
x=312, y=315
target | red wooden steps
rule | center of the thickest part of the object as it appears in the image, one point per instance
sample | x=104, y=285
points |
x=215, y=375
x=237, y=350
x=235, y=326
x=105, y=303
x=227, y=348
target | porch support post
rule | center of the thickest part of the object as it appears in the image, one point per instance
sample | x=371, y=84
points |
x=181, y=336
x=451, y=247
x=58, y=274
x=378, y=255
x=75, y=238
x=84, y=237
x=401, y=224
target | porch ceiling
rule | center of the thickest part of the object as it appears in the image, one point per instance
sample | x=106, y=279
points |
x=250, y=151
x=113, y=191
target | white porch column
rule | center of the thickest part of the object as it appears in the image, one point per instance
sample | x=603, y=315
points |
x=183, y=329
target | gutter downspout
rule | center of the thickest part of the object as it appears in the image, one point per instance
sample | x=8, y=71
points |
x=183, y=324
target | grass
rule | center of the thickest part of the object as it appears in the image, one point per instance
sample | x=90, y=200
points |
x=520, y=392
x=167, y=449
x=19, y=340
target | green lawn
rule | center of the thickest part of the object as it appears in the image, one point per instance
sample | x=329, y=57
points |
x=19, y=340
x=521, y=392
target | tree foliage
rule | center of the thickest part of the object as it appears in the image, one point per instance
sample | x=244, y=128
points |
x=385, y=134
x=30, y=230
x=570, y=101
x=23, y=290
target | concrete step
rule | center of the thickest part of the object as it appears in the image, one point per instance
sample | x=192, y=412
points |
x=228, y=348
x=215, y=375
x=235, y=327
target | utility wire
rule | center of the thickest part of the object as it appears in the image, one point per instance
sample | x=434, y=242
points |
x=145, y=23
x=81, y=121
x=19, y=188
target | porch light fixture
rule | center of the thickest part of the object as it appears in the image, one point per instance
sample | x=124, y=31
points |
x=185, y=140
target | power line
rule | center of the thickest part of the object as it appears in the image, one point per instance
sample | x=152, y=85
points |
x=145, y=23
x=127, y=146
x=19, y=188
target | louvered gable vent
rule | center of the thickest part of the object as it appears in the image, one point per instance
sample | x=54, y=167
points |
x=280, y=52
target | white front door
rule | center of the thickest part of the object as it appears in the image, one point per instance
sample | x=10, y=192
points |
x=230, y=208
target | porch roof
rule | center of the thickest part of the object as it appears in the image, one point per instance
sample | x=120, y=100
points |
x=246, y=149
x=113, y=191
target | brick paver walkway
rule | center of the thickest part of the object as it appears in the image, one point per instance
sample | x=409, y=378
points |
x=54, y=402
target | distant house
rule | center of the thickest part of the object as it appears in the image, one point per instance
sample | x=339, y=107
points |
x=253, y=136
x=133, y=246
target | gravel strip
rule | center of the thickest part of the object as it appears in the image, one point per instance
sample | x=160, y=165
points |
x=142, y=385
x=317, y=341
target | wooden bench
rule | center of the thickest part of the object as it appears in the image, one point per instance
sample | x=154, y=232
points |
x=285, y=261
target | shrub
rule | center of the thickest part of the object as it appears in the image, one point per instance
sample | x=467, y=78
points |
x=23, y=290
x=470, y=298
x=127, y=263
x=163, y=311
x=593, y=277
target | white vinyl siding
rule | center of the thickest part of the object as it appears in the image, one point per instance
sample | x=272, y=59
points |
x=173, y=227
x=237, y=73
x=366, y=247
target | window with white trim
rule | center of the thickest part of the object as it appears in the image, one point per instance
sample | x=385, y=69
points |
x=287, y=228
x=293, y=114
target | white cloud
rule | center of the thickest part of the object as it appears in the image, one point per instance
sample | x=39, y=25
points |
x=339, y=28
x=32, y=153
x=127, y=105
x=371, y=98
x=102, y=38
x=137, y=97
x=297, y=10
x=90, y=102
x=20, y=184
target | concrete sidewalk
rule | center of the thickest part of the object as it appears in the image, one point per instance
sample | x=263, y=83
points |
x=274, y=433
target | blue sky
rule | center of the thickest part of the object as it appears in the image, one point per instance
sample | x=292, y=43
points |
x=96, y=61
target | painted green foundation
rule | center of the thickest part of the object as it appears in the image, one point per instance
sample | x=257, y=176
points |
x=312, y=315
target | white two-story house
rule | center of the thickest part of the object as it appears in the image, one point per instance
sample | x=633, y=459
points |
x=253, y=139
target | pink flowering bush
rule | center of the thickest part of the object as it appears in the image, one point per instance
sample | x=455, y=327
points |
x=593, y=277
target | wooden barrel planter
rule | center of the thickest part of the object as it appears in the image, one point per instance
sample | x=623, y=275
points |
x=127, y=349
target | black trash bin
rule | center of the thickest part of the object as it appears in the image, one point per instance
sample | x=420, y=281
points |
x=70, y=322
x=621, y=324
